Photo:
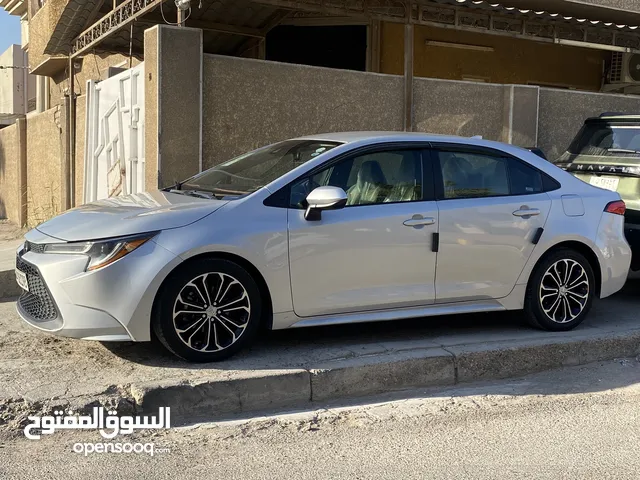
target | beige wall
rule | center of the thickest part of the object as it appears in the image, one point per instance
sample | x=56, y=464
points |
x=512, y=61
x=249, y=103
x=44, y=161
x=17, y=87
x=9, y=175
x=562, y=113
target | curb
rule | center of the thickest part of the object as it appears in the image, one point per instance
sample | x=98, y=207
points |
x=369, y=375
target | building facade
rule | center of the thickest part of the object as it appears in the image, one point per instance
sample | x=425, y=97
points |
x=141, y=86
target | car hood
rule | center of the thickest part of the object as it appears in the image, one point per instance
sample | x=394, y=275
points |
x=129, y=215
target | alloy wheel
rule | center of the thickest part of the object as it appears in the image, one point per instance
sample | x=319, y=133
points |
x=564, y=291
x=211, y=312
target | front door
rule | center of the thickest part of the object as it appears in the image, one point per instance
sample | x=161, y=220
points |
x=375, y=253
x=491, y=207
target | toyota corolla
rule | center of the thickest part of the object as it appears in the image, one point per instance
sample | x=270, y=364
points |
x=325, y=230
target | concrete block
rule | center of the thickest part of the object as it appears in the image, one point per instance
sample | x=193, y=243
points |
x=256, y=391
x=382, y=373
x=510, y=359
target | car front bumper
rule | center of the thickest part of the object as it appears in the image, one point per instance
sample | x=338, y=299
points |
x=110, y=304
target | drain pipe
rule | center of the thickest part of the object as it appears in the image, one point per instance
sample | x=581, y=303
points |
x=71, y=166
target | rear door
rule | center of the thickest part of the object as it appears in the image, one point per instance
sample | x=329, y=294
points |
x=490, y=208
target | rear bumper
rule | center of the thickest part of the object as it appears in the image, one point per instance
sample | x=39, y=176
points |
x=614, y=254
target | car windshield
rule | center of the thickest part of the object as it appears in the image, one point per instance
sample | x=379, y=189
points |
x=601, y=139
x=251, y=171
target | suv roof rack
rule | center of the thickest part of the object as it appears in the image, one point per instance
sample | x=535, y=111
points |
x=612, y=114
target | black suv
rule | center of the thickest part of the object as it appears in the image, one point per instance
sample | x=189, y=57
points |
x=606, y=153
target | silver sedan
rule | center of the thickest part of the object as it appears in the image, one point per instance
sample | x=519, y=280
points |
x=324, y=230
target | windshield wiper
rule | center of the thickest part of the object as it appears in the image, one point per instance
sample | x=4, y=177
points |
x=621, y=150
x=193, y=193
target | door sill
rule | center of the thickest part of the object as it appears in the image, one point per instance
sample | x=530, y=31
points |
x=402, y=313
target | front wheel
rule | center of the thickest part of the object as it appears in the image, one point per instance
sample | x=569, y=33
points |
x=207, y=311
x=560, y=292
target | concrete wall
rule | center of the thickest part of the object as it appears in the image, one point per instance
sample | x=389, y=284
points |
x=17, y=86
x=562, y=113
x=11, y=191
x=45, y=153
x=513, y=61
x=458, y=108
x=173, y=95
x=42, y=25
x=624, y=5
x=249, y=103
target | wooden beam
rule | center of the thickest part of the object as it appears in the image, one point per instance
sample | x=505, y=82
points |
x=211, y=26
x=408, y=77
x=224, y=28
x=275, y=20
x=293, y=5
x=373, y=47
x=329, y=10
x=326, y=21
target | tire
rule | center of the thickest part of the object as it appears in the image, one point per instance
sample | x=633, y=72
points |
x=197, y=333
x=545, y=310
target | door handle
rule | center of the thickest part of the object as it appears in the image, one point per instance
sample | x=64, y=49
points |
x=526, y=212
x=419, y=220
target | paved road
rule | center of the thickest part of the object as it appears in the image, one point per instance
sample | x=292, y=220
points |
x=512, y=429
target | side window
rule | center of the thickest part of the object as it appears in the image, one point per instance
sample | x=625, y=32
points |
x=381, y=177
x=524, y=179
x=468, y=175
x=471, y=175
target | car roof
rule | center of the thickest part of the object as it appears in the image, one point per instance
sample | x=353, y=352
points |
x=614, y=118
x=382, y=137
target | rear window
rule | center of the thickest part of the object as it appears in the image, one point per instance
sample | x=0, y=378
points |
x=602, y=139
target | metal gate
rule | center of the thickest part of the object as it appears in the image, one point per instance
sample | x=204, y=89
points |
x=114, y=138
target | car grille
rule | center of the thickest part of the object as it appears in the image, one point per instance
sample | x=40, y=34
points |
x=37, y=302
x=33, y=247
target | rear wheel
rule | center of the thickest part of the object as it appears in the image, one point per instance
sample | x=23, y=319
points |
x=208, y=311
x=560, y=292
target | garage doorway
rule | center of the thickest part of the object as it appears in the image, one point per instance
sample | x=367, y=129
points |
x=336, y=46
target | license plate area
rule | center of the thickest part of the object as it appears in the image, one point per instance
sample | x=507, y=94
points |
x=21, y=278
x=608, y=183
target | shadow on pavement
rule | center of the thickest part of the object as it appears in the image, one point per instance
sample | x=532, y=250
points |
x=309, y=347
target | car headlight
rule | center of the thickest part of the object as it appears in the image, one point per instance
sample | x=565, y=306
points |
x=101, y=253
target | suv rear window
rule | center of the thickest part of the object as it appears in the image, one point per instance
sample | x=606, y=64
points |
x=603, y=139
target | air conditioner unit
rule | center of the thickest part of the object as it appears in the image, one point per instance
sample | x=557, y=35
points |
x=625, y=68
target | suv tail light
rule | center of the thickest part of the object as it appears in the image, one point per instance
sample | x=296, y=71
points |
x=617, y=208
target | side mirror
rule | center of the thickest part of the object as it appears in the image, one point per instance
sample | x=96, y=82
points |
x=324, y=198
